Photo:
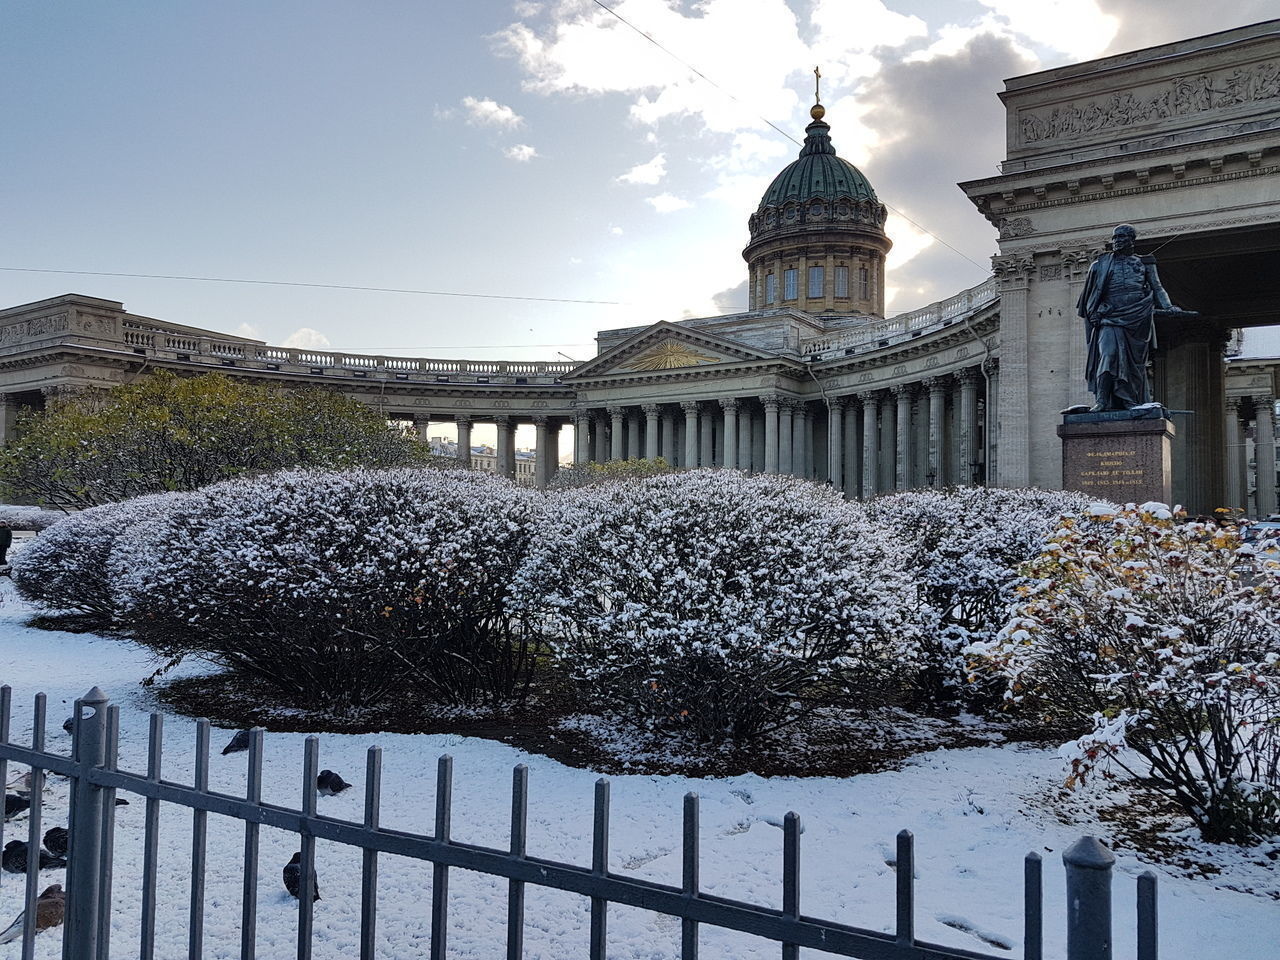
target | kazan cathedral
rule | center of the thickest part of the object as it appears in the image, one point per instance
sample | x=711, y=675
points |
x=1181, y=140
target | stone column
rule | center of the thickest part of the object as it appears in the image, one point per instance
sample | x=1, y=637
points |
x=902, y=455
x=920, y=432
x=422, y=426
x=771, y=428
x=602, y=437
x=668, y=436
x=937, y=387
x=1264, y=452
x=852, y=449
x=651, y=413
x=730, y=408
x=633, y=434
x=553, y=448
x=887, y=479
x=506, y=447
x=746, y=420
x=968, y=378
x=992, y=433
x=1014, y=276
x=835, y=442
x=617, y=446
x=707, y=446
x=542, y=453
x=800, y=446
x=581, y=438
x=464, y=440
x=786, y=438
x=870, y=443
x=1237, y=490
x=690, y=408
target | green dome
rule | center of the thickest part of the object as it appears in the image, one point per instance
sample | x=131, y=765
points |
x=818, y=174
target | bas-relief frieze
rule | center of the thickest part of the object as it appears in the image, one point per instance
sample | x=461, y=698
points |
x=35, y=327
x=1180, y=97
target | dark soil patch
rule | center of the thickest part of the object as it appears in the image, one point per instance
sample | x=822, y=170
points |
x=551, y=723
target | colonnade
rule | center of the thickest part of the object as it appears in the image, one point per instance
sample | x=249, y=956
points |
x=1251, y=454
x=546, y=442
x=927, y=433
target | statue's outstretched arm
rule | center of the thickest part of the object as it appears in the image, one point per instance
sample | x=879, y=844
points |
x=1162, y=298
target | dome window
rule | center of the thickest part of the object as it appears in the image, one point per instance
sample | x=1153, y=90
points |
x=864, y=286
x=842, y=281
x=815, y=282
x=789, y=284
x=771, y=289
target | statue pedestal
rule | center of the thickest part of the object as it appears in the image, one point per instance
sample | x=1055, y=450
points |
x=1122, y=456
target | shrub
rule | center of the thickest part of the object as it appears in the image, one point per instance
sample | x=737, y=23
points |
x=65, y=566
x=165, y=433
x=710, y=600
x=589, y=474
x=965, y=548
x=339, y=588
x=1150, y=633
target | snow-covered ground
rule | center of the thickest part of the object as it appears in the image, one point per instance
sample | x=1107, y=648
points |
x=975, y=813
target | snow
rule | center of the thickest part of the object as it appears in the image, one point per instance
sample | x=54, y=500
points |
x=975, y=814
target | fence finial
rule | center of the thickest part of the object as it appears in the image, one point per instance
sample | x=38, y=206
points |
x=1088, y=863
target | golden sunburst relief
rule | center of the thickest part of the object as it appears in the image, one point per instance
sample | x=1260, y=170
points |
x=669, y=355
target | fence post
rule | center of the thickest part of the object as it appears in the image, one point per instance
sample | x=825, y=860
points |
x=1088, y=863
x=84, y=869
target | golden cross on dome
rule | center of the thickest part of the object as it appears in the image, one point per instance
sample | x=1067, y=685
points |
x=817, y=75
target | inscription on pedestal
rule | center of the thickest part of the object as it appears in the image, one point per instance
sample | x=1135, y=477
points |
x=1120, y=460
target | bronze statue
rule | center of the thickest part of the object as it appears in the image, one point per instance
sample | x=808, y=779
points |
x=1118, y=304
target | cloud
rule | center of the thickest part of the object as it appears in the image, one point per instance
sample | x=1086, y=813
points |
x=941, y=114
x=649, y=173
x=1078, y=28
x=304, y=338
x=615, y=231
x=733, y=300
x=490, y=113
x=521, y=153
x=575, y=261
x=1145, y=23
x=247, y=330
x=666, y=202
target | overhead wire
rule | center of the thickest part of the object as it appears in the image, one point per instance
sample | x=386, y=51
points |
x=321, y=286
x=919, y=226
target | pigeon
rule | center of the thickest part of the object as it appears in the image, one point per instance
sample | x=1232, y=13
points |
x=55, y=841
x=14, y=858
x=239, y=743
x=293, y=878
x=14, y=805
x=50, y=908
x=330, y=783
x=69, y=724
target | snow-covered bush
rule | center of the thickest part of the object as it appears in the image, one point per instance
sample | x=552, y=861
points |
x=1158, y=635
x=722, y=603
x=28, y=518
x=341, y=588
x=65, y=566
x=965, y=547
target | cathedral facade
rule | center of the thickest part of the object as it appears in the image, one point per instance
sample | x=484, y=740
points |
x=1181, y=140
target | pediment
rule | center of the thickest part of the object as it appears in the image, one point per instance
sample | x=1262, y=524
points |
x=665, y=347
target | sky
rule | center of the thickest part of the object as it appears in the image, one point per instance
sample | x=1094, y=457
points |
x=542, y=151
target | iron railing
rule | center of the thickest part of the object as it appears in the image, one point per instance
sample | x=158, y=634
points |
x=95, y=777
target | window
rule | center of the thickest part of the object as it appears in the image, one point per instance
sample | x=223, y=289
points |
x=864, y=287
x=815, y=281
x=771, y=289
x=789, y=283
x=842, y=281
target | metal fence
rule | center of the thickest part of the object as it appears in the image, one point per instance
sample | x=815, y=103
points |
x=95, y=778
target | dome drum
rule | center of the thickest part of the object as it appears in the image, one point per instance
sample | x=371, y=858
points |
x=817, y=239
